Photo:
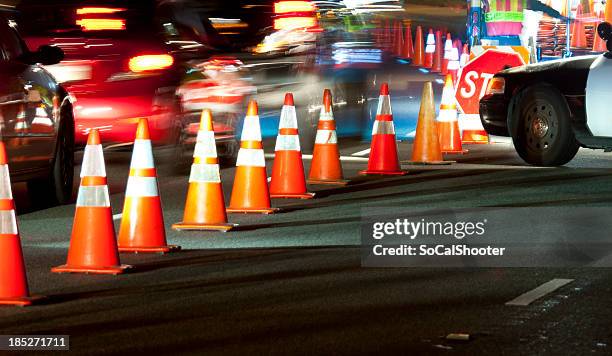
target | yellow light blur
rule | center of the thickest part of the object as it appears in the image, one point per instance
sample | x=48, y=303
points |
x=288, y=23
x=284, y=7
x=97, y=10
x=101, y=24
x=150, y=62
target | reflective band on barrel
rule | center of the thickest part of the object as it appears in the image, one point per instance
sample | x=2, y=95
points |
x=8, y=222
x=251, y=130
x=204, y=173
x=93, y=162
x=142, y=156
x=251, y=158
x=326, y=136
x=326, y=116
x=205, y=145
x=5, y=186
x=447, y=115
x=287, y=143
x=383, y=128
x=384, y=105
x=141, y=187
x=288, y=118
x=93, y=196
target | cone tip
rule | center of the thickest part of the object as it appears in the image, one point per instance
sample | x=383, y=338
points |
x=289, y=99
x=142, y=131
x=252, y=110
x=94, y=137
x=327, y=100
x=3, y=156
x=206, y=120
x=384, y=89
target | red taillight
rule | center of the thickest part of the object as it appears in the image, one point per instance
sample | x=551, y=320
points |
x=101, y=24
x=150, y=62
x=98, y=10
x=284, y=7
x=100, y=19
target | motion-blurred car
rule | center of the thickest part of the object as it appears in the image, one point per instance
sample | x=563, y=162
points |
x=550, y=109
x=124, y=61
x=35, y=117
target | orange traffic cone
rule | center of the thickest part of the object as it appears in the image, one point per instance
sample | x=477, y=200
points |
x=13, y=280
x=465, y=56
x=578, y=39
x=142, y=222
x=436, y=67
x=473, y=132
x=430, y=49
x=250, y=193
x=419, y=49
x=205, y=204
x=607, y=12
x=448, y=45
x=453, y=64
x=426, y=146
x=288, y=179
x=448, y=126
x=325, y=167
x=93, y=248
x=383, y=153
x=399, y=41
x=408, y=50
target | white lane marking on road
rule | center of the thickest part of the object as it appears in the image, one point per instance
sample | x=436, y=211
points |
x=362, y=153
x=117, y=216
x=539, y=292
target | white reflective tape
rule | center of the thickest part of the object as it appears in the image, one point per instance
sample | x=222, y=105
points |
x=8, y=222
x=326, y=136
x=287, y=143
x=383, y=128
x=326, y=116
x=205, y=145
x=430, y=48
x=251, y=157
x=93, y=162
x=470, y=122
x=142, y=155
x=447, y=115
x=384, y=105
x=204, y=173
x=251, y=131
x=141, y=187
x=288, y=118
x=93, y=196
x=5, y=183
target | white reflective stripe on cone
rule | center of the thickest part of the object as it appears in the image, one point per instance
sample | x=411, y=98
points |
x=141, y=187
x=288, y=118
x=326, y=116
x=430, y=48
x=384, y=105
x=287, y=143
x=326, y=136
x=5, y=187
x=251, y=130
x=92, y=196
x=142, y=155
x=448, y=97
x=93, y=162
x=383, y=128
x=447, y=115
x=470, y=122
x=204, y=173
x=205, y=145
x=251, y=157
x=8, y=222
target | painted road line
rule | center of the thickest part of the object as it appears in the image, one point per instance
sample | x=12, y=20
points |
x=362, y=153
x=117, y=216
x=539, y=292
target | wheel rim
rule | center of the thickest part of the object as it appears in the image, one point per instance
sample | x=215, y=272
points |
x=541, y=126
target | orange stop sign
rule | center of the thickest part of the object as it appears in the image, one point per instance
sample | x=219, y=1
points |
x=475, y=76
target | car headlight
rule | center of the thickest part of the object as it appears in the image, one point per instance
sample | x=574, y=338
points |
x=497, y=85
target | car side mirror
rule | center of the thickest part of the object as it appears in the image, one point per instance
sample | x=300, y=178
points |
x=46, y=55
x=604, y=31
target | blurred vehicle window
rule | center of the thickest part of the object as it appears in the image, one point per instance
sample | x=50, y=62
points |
x=11, y=45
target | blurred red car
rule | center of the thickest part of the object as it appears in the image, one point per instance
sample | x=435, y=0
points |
x=124, y=61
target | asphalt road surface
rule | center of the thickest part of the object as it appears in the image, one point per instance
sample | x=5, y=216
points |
x=292, y=283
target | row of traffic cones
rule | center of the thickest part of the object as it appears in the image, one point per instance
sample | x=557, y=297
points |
x=93, y=246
